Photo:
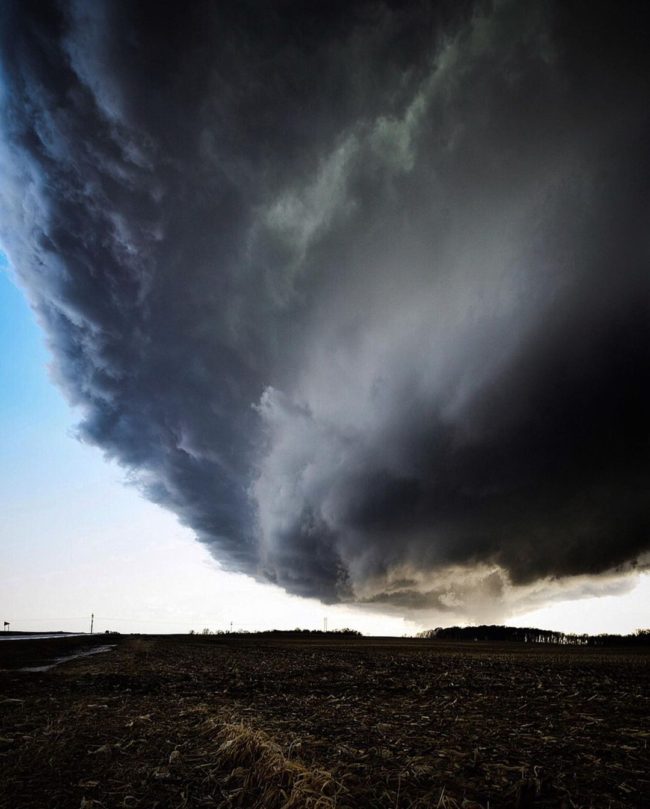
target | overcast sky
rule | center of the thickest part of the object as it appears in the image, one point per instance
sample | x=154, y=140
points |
x=355, y=299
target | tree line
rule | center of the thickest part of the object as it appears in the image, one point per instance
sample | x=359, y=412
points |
x=275, y=633
x=532, y=635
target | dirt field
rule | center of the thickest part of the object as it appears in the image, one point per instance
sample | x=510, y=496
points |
x=192, y=721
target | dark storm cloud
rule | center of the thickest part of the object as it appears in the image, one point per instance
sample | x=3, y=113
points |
x=360, y=291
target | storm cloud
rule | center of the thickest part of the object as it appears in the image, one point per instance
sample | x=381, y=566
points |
x=358, y=290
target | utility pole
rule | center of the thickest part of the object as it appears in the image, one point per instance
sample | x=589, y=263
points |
x=325, y=624
x=92, y=621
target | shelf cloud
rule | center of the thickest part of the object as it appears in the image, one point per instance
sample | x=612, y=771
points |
x=358, y=290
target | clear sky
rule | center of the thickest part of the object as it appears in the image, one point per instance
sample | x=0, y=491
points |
x=77, y=539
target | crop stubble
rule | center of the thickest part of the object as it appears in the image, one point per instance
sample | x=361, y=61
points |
x=220, y=722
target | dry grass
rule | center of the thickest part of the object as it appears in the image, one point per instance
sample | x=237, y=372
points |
x=260, y=775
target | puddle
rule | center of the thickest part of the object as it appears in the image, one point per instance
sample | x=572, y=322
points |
x=84, y=653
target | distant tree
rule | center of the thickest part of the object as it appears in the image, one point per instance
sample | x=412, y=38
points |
x=533, y=635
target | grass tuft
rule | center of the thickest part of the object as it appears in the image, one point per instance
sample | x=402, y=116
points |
x=262, y=776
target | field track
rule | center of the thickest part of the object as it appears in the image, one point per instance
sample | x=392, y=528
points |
x=223, y=722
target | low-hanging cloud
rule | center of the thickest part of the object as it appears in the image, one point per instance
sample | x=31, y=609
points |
x=359, y=291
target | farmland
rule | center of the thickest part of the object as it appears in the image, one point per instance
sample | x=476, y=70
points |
x=218, y=722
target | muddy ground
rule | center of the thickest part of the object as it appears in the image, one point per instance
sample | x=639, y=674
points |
x=218, y=722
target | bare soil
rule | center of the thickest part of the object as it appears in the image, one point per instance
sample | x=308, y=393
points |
x=226, y=722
